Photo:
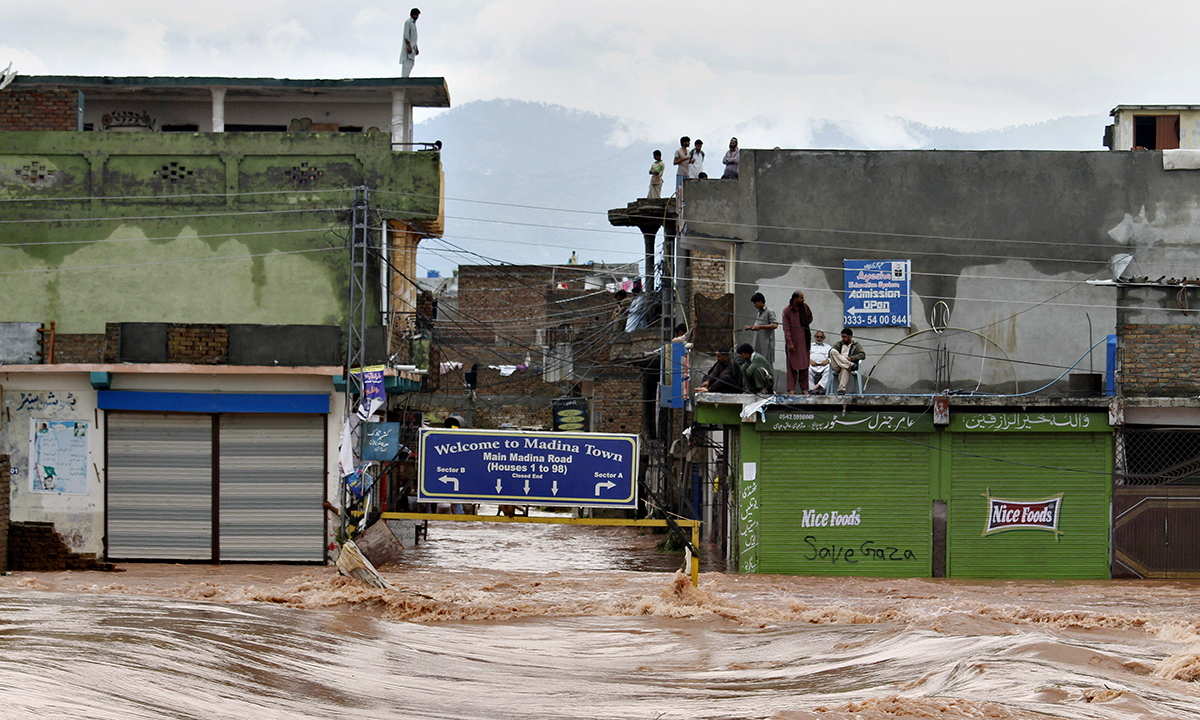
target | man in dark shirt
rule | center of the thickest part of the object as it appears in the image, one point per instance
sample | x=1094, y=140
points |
x=724, y=377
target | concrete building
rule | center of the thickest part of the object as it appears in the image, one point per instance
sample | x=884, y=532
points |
x=1154, y=127
x=175, y=292
x=1015, y=267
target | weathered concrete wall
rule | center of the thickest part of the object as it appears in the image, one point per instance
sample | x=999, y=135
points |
x=78, y=518
x=19, y=343
x=192, y=227
x=1007, y=240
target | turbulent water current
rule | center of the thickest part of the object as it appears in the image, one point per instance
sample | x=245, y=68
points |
x=519, y=621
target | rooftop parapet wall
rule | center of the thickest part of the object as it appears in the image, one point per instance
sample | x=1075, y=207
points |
x=1007, y=240
x=192, y=227
x=163, y=171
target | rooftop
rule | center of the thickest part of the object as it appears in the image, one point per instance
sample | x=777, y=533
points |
x=420, y=91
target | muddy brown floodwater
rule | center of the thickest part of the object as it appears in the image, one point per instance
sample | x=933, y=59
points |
x=518, y=621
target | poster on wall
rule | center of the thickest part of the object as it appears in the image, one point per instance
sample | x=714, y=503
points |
x=878, y=293
x=58, y=456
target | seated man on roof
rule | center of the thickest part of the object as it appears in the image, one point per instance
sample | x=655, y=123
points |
x=756, y=371
x=723, y=377
x=845, y=357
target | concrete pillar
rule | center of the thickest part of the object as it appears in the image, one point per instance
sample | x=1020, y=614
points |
x=401, y=118
x=218, y=109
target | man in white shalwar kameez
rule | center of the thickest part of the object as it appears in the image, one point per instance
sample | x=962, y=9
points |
x=408, y=54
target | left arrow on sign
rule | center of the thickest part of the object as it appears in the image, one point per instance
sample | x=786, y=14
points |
x=447, y=479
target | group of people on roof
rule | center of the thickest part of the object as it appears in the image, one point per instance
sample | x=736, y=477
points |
x=808, y=358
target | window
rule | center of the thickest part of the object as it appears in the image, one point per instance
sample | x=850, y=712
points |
x=1155, y=132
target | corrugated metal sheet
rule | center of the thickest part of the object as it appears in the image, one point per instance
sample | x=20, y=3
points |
x=159, y=492
x=1026, y=467
x=881, y=482
x=272, y=484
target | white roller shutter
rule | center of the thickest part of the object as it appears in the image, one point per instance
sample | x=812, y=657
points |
x=159, y=486
x=272, y=480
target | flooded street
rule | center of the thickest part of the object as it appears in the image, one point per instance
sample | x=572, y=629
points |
x=519, y=621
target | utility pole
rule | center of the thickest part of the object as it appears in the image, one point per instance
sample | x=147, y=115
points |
x=356, y=322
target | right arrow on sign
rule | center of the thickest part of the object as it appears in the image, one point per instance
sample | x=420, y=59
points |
x=606, y=484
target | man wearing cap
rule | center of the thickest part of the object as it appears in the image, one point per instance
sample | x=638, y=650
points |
x=818, y=364
x=409, y=53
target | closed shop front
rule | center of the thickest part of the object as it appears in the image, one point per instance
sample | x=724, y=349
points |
x=889, y=494
x=844, y=494
x=160, y=486
x=1030, y=495
x=213, y=487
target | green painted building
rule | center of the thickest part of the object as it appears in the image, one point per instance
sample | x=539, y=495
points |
x=984, y=492
x=174, y=292
x=205, y=200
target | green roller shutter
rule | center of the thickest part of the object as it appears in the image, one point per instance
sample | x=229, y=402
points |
x=995, y=475
x=845, y=503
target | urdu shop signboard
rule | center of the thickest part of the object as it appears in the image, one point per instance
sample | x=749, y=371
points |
x=877, y=293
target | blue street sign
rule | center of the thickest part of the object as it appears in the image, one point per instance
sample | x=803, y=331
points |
x=528, y=468
x=878, y=293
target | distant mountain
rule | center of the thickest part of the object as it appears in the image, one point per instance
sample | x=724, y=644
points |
x=509, y=163
x=1085, y=132
x=534, y=157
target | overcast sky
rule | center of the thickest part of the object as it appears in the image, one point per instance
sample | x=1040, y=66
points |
x=764, y=70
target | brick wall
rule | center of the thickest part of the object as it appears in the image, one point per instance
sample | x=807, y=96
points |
x=617, y=403
x=79, y=347
x=1159, y=360
x=5, y=495
x=37, y=546
x=708, y=273
x=38, y=109
x=112, y=342
x=197, y=344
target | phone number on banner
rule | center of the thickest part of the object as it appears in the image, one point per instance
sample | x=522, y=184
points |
x=881, y=320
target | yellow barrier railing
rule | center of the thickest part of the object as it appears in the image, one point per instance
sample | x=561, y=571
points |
x=645, y=522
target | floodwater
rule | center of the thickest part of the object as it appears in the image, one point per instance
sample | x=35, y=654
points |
x=516, y=621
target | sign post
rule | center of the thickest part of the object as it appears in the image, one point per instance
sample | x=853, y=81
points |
x=878, y=293
x=562, y=469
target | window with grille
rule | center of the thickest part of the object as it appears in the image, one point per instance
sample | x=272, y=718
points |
x=1158, y=456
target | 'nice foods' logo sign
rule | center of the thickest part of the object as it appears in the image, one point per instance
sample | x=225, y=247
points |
x=1023, y=514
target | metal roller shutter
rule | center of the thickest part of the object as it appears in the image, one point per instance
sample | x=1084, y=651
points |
x=1025, y=467
x=878, y=486
x=272, y=485
x=159, y=486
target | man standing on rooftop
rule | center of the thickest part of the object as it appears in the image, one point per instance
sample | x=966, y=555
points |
x=409, y=53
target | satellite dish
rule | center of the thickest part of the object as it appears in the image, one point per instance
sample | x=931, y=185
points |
x=1118, y=263
x=7, y=76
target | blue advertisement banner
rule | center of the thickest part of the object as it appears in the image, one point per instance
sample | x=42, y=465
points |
x=528, y=468
x=878, y=293
x=382, y=442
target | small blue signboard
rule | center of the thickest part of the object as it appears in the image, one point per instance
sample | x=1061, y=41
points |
x=564, y=469
x=878, y=293
x=382, y=441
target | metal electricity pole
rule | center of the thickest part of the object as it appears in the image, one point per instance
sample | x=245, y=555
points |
x=356, y=322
